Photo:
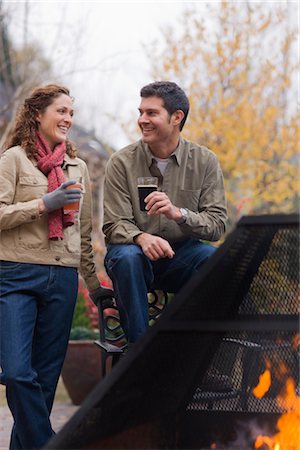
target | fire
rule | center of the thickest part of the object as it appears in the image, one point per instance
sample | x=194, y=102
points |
x=264, y=383
x=296, y=341
x=288, y=436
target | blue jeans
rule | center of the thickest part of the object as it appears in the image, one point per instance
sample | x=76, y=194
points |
x=133, y=274
x=36, y=309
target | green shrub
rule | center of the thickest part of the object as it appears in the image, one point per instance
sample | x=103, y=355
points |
x=81, y=318
x=80, y=333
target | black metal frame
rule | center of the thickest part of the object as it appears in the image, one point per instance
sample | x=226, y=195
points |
x=145, y=401
x=112, y=340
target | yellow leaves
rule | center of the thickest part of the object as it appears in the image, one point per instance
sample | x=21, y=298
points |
x=219, y=49
x=264, y=25
x=271, y=113
x=240, y=80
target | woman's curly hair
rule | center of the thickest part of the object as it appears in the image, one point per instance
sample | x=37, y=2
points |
x=24, y=130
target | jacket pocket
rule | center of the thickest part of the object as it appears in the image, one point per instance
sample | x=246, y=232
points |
x=34, y=235
x=31, y=187
x=189, y=199
x=72, y=238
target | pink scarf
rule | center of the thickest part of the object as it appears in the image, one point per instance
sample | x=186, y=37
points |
x=50, y=164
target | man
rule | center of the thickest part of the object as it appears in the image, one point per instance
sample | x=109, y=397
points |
x=162, y=247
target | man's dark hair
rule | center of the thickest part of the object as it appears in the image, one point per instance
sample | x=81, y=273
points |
x=172, y=95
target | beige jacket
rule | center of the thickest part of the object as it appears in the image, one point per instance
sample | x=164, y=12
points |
x=24, y=232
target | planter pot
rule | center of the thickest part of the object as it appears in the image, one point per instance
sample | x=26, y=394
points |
x=81, y=370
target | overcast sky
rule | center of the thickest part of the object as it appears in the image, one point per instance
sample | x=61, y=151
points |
x=97, y=50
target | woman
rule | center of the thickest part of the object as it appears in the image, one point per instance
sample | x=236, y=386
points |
x=41, y=249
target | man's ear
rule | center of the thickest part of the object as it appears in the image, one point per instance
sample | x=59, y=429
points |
x=177, y=117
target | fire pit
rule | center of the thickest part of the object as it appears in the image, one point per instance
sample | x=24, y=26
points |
x=211, y=373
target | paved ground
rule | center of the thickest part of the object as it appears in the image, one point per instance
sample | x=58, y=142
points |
x=63, y=409
x=60, y=415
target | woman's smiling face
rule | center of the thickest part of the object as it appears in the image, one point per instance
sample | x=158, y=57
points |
x=55, y=122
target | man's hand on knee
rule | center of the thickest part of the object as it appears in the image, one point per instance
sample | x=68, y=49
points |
x=154, y=247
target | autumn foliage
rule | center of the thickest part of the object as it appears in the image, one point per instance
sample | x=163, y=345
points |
x=237, y=62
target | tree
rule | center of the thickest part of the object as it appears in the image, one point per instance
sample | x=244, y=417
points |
x=239, y=71
x=21, y=68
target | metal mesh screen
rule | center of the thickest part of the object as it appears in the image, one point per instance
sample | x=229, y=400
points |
x=228, y=383
x=235, y=320
x=274, y=289
x=273, y=293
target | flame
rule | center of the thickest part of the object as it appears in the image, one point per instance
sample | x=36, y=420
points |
x=288, y=436
x=296, y=341
x=264, y=383
x=261, y=440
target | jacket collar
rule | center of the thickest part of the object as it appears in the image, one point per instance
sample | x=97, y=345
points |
x=176, y=155
x=68, y=161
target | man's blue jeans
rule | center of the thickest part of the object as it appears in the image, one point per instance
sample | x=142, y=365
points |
x=36, y=310
x=133, y=274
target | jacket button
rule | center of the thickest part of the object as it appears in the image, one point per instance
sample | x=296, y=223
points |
x=57, y=258
x=33, y=217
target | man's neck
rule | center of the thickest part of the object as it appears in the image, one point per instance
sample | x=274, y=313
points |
x=164, y=150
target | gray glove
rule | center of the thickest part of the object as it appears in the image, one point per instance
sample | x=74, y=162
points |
x=62, y=196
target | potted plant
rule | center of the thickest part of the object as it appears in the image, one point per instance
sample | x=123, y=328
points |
x=82, y=366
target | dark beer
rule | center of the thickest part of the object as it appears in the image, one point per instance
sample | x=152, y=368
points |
x=144, y=191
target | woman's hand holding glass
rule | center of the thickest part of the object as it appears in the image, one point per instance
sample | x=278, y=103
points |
x=63, y=195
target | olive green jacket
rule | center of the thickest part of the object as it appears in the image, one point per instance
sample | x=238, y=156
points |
x=193, y=180
x=24, y=232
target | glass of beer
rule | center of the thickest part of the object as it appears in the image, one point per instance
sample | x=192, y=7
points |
x=146, y=185
x=73, y=207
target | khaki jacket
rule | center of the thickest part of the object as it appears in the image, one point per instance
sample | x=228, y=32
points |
x=193, y=180
x=24, y=232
